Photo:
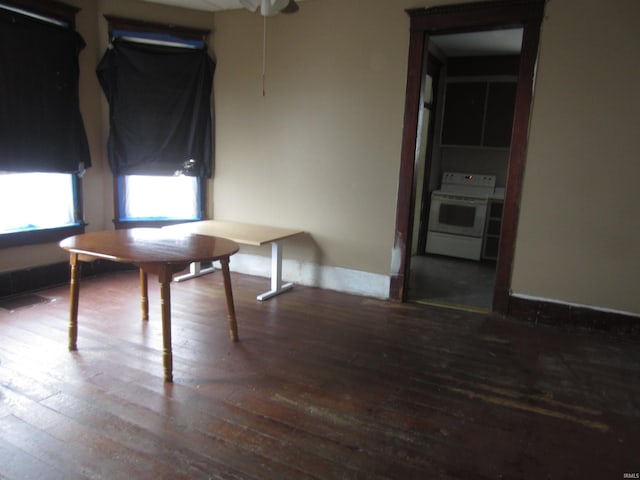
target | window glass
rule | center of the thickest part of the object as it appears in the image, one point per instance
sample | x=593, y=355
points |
x=146, y=197
x=34, y=201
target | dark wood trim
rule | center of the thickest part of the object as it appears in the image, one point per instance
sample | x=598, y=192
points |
x=406, y=190
x=563, y=315
x=453, y=19
x=47, y=8
x=517, y=157
x=465, y=17
x=132, y=25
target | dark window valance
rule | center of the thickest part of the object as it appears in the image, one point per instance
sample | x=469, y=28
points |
x=41, y=128
x=160, y=111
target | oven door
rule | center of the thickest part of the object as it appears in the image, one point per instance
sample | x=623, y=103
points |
x=457, y=214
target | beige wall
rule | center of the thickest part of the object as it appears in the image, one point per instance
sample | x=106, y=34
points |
x=321, y=150
x=579, y=235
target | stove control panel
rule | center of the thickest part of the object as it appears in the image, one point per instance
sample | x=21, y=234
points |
x=471, y=179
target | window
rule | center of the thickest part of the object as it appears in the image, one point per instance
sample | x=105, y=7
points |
x=157, y=81
x=158, y=198
x=43, y=145
x=38, y=200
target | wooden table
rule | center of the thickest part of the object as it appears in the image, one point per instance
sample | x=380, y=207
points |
x=156, y=251
x=245, y=234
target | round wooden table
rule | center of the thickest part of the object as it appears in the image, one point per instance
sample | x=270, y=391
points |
x=161, y=252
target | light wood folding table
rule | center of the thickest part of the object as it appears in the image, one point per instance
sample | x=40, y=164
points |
x=244, y=234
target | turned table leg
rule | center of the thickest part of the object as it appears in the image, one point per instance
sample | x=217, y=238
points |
x=165, y=303
x=144, y=295
x=231, y=312
x=73, y=302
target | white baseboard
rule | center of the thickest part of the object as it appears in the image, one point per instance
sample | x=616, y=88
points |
x=303, y=273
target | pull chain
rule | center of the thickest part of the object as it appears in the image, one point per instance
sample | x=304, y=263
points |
x=264, y=54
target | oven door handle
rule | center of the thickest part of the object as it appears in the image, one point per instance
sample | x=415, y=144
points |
x=459, y=199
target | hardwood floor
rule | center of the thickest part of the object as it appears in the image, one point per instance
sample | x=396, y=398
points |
x=321, y=385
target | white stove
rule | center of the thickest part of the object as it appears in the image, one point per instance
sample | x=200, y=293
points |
x=457, y=214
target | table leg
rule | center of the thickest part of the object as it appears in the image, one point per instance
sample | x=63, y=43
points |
x=73, y=301
x=165, y=301
x=231, y=311
x=144, y=295
x=277, y=287
x=195, y=270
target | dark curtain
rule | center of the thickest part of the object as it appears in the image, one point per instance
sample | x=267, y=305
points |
x=41, y=128
x=160, y=108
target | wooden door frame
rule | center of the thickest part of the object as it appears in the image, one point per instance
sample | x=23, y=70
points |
x=488, y=15
x=433, y=68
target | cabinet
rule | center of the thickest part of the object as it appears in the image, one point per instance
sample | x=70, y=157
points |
x=492, y=228
x=478, y=113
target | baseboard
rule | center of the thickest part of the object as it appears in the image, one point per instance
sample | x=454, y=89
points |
x=521, y=307
x=550, y=312
x=330, y=278
x=309, y=274
x=33, y=279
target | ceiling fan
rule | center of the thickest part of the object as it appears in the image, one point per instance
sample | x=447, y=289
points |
x=267, y=9
x=270, y=7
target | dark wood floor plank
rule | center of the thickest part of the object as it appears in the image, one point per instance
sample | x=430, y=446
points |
x=162, y=456
x=16, y=463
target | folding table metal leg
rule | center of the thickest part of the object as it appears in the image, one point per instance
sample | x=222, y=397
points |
x=195, y=270
x=277, y=287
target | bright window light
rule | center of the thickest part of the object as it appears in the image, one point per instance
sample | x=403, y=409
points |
x=32, y=201
x=155, y=197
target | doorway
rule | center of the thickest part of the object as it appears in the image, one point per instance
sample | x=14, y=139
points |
x=465, y=124
x=471, y=17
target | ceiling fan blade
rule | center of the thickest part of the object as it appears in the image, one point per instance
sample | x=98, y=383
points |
x=251, y=5
x=292, y=7
x=270, y=7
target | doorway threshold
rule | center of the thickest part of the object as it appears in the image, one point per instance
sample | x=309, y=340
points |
x=453, y=306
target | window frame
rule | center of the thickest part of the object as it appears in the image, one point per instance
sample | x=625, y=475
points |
x=62, y=13
x=186, y=33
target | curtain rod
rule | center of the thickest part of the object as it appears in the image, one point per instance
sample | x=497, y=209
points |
x=28, y=13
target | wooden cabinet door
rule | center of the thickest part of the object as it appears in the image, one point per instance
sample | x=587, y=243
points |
x=464, y=113
x=479, y=113
x=501, y=100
